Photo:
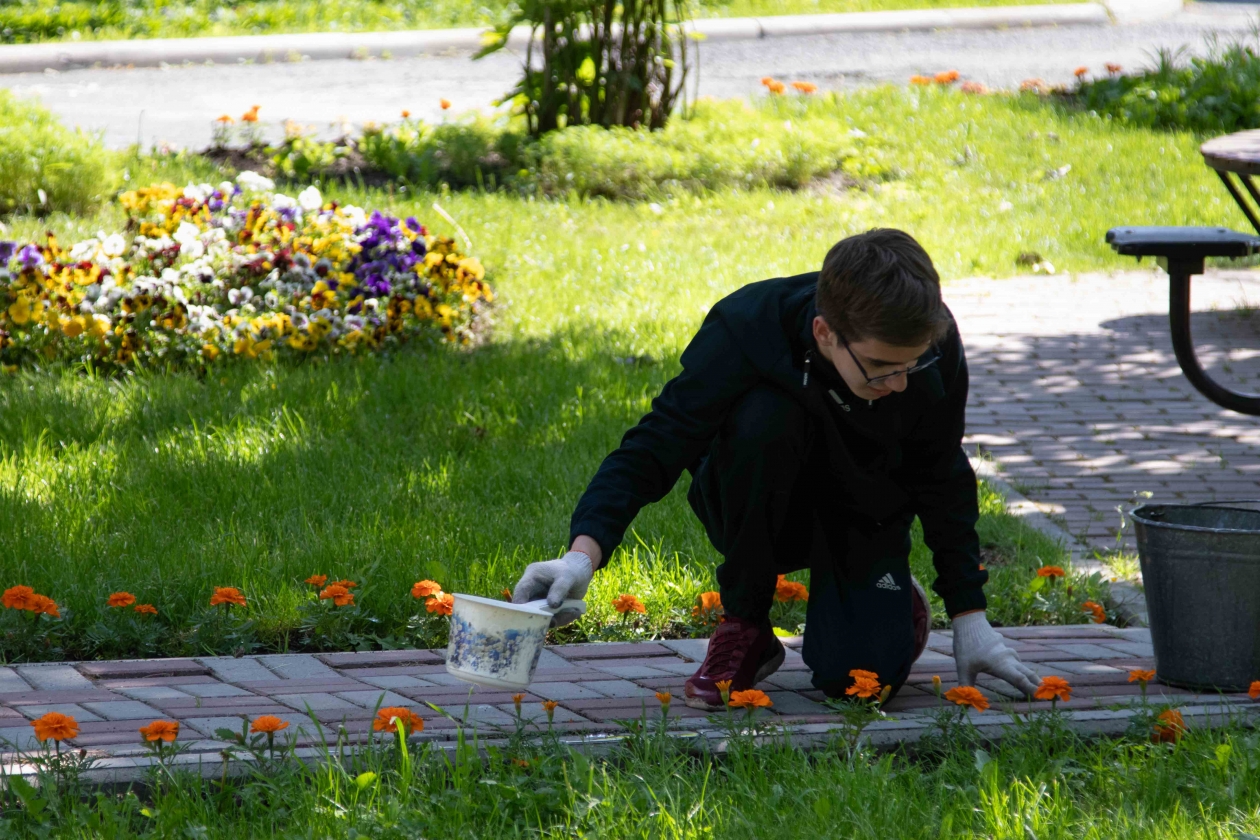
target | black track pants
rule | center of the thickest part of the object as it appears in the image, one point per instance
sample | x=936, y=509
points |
x=765, y=510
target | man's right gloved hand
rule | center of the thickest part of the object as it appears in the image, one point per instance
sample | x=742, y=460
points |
x=556, y=580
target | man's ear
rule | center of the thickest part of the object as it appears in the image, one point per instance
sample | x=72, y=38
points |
x=823, y=333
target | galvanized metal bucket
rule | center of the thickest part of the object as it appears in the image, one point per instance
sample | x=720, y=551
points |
x=1201, y=573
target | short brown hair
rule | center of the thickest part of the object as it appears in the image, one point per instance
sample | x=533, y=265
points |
x=881, y=284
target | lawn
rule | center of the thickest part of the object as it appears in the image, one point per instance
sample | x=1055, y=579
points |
x=1039, y=782
x=28, y=21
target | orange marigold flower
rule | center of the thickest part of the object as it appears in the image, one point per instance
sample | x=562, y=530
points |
x=45, y=605
x=425, y=588
x=967, y=695
x=1051, y=572
x=146, y=609
x=388, y=717
x=1254, y=691
x=317, y=580
x=17, y=597
x=445, y=103
x=724, y=688
x=767, y=80
x=788, y=590
x=121, y=599
x=777, y=87
x=664, y=697
x=751, y=699
x=1080, y=71
x=1112, y=68
x=627, y=604
x=348, y=584
x=805, y=87
x=864, y=688
x=1140, y=675
x=442, y=603
x=1034, y=86
x=229, y=595
x=269, y=724
x=516, y=700
x=918, y=79
x=339, y=595
x=1096, y=610
x=710, y=600
x=1169, y=727
x=1052, y=688
x=251, y=115
x=946, y=77
x=225, y=119
x=55, y=725
x=978, y=88
x=161, y=730
x=406, y=114
x=859, y=674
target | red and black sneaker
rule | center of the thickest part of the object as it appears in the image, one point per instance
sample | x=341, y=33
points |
x=744, y=652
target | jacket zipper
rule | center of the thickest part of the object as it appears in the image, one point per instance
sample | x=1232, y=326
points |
x=809, y=357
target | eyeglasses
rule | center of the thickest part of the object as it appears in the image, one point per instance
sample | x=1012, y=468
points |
x=873, y=380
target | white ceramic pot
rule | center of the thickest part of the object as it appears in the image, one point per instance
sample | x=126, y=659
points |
x=497, y=644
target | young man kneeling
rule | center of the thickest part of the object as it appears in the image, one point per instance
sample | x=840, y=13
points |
x=817, y=415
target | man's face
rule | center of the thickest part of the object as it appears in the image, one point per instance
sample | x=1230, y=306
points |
x=875, y=357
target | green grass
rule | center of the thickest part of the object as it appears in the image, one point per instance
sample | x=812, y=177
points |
x=463, y=466
x=29, y=21
x=46, y=166
x=1040, y=782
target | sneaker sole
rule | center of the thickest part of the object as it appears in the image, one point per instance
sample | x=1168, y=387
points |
x=769, y=667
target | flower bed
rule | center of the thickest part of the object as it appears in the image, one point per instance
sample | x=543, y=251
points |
x=204, y=273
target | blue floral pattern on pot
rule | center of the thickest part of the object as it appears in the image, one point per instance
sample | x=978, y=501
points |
x=497, y=655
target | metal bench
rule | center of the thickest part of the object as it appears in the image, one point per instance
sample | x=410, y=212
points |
x=1181, y=252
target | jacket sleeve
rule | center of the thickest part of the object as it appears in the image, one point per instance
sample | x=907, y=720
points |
x=943, y=487
x=684, y=419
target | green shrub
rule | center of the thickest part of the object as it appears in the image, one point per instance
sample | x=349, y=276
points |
x=782, y=142
x=45, y=166
x=1217, y=93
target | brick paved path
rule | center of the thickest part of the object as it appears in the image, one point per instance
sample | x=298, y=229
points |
x=596, y=686
x=1077, y=396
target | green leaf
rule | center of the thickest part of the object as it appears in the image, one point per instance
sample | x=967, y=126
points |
x=365, y=780
x=586, y=71
x=822, y=808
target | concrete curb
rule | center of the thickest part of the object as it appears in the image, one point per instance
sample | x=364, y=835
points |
x=25, y=58
x=1129, y=599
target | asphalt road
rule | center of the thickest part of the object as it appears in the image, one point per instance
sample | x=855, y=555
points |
x=176, y=105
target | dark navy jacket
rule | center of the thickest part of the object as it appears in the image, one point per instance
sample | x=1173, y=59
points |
x=886, y=461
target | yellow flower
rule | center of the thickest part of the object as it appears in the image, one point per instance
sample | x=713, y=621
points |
x=20, y=311
x=74, y=327
x=209, y=352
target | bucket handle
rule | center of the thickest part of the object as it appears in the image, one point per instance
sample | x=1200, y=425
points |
x=1224, y=504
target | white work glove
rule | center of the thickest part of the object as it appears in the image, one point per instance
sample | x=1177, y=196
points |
x=556, y=580
x=979, y=649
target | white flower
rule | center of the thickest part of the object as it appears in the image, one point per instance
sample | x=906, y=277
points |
x=114, y=245
x=251, y=181
x=271, y=299
x=310, y=199
x=227, y=188
x=198, y=192
x=188, y=232
x=353, y=322
x=240, y=296
x=371, y=304
x=354, y=215
x=283, y=202
x=84, y=250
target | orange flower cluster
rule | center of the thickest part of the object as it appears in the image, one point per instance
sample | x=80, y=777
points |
x=251, y=115
x=1113, y=69
x=438, y=601
x=161, y=730
x=968, y=695
x=387, y=720
x=709, y=609
x=919, y=79
x=979, y=88
x=338, y=594
x=317, y=580
x=25, y=598
x=146, y=609
x=664, y=697
x=946, y=77
x=1054, y=688
x=788, y=590
x=1169, y=727
x=126, y=599
x=626, y=604
x=1139, y=675
x=445, y=103
x=1095, y=609
x=1051, y=572
x=751, y=699
x=773, y=85
x=865, y=684
x=1254, y=691
x=56, y=726
x=1034, y=86
x=228, y=596
x=1080, y=72
x=805, y=87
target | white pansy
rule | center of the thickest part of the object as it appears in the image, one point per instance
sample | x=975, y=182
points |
x=84, y=250
x=187, y=232
x=198, y=192
x=310, y=199
x=280, y=201
x=354, y=215
x=114, y=245
x=271, y=299
x=227, y=188
x=251, y=181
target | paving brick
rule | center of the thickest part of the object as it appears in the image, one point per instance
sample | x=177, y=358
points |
x=232, y=669
x=298, y=666
x=623, y=689
x=156, y=692
x=1088, y=651
x=794, y=680
x=53, y=677
x=613, y=650
x=634, y=672
x=566, y=691
x=1132, y=648
x=400, y=681
x=77, y=712
x=378, y=658
x=139, y=668
x=315, y=702
x=216, y=690
x=10, y=681
x=46, y=697
x=123, y=710
x=791, y=703
x=19, y=738
x=334, y=683
x=374, y=699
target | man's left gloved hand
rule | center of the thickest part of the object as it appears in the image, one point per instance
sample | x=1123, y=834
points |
x=979, y=649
